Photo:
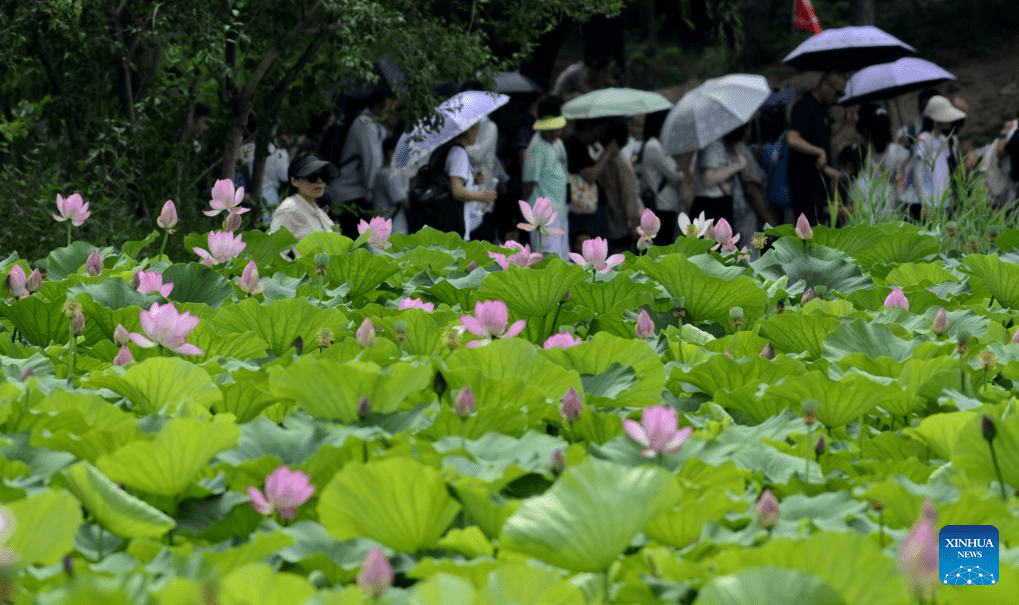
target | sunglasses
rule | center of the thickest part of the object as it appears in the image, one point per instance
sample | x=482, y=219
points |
x=319, y=177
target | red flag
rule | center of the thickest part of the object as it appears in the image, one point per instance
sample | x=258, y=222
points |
x=804, y=17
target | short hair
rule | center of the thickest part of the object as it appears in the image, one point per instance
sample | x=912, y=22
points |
x=653, y=123
x=550, y=105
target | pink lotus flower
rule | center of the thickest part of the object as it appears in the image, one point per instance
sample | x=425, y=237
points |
x=167, y=216
x=376, y=575
x=940, y=323
x=896, y=298
x=571, y=406
x=489, y=321
x=17, y=282
x=645, y=328
x=226, y=198
x=723, y=236
x=73, y=208
x=380, y=229
x=248, y=281
x=285, y=490
x=223, y=245
x=649, y=227
x=562, y=340
x=94, y=263
x=697, y=227
x=657, y=431
x=808, y=295
x=366, y=334
x=523, y=257
x=540, y=217
x=596, y=256
x=121, y=335
x=803, y=230
x=767, y=510
x=463, y=402
x=918, y=556
x=152, y=281
x=416, y=303
x=165, y=326
x=34, y=281
x=123, y=357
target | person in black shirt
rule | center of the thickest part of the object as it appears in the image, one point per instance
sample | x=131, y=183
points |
x=579, y=162
x=809, y=142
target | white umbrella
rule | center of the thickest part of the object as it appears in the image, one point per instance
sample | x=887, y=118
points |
x=713, y=109
x=608, y=102
x=888, y=80
x=458, y=114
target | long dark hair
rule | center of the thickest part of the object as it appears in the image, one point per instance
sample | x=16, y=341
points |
x=653, y=123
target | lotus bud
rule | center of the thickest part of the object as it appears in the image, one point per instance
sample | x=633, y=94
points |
x=299, y=345
x=940, y=323
x=463, y=402
x=896, y=298
x=1015, y=337
x=68, y=564
x=803, y=230
x=810, y=413
x=123, y=357
x=167, y=216
x=558, y=461
x=877, y=506
x=400, y=331
x=366, y=334
x=248, y=282
x=645, y=327
x=325, y=338
x=736, y=316
x=34, y=281
x=962, y=343
x=759, y=241
x=28, y=373
x=94, y=263
x=376, y=575
x=808, y=295
x=364, y=407
x=571, y=406
x=471, y=266
x=987, y=429
x=17, y=282
x=120, y=335
x=819, y=447
x=232, y=221
x=768, y=352
x=78, y=323
x=768, y=510
x=988, y=360
x=321, y=263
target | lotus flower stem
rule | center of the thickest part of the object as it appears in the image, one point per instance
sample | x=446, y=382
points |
x=997, y=470
x=806, y=459
x=881, y=526
x=68, y=233
x=72, y=349
x=555, y=316
x=861, y=437
x=162, y=247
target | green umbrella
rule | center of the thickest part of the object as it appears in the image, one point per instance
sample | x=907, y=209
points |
x=607, y=102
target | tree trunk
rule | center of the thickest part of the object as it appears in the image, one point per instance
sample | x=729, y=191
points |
x=861, y=12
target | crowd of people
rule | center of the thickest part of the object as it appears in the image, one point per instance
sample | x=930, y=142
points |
x=599, y=178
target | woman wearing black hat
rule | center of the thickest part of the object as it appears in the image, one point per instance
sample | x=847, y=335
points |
x=300, y=213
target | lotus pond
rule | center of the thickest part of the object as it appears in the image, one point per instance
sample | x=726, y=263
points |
x=423, y=448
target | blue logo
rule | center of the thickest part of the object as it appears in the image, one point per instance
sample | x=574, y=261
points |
x=968, y=555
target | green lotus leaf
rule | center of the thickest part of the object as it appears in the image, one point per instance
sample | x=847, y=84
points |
x=162, y=384
x=45, y=525
x=455, y=292
x=839, y=401
x=328, y=242
x=259, y=584
x=359, y=271
x=266, y=248
x=522, y=583
x=1000, y=277
x=602, y=354
x=443, y=589
x=215, y=343
x=505, y=418
x=880, y=247
x=40, y=322
x=247, y=395
x=611, y=295
x=398, y=502
x=509, y=371
x=484, y=504
x=131, y=248
x=590, y=515
x=768, y=585
x=470, y=542
x=423, y=331
x=799, y=332
x=706, y=297
x=941, y=432
x=258, y=548
x=868, y=338
x=720, y=374
x=683, y=523
x=63, y=262
x=841, y=560
x=167, y=465
x=920, y=274
x=813, y=264
x=112, y=294
x=972, y=453
x=777, y=467
x=333, y=390
x=115, y=509
x=279, y=323
x=533, y=292
x=196, y=283
x=83, y=424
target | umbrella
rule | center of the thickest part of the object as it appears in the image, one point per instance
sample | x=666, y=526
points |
x=847, y=49
x=513, y=82
x=713, y=109
x=458, y=113
x=888, y=80
x=607, y=102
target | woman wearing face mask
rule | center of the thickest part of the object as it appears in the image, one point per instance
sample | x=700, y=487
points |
x=300, y=213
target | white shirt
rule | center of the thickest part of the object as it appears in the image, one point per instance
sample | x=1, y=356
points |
x=300, y=217
x=656, y=166
x=931, y=174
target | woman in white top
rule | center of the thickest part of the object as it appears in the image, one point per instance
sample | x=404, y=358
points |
x=715, y=168
x=300, y=213
x=659, y=173
x=932, y=174
x=461, y=174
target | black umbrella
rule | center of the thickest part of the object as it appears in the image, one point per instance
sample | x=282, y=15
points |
x=847, y=49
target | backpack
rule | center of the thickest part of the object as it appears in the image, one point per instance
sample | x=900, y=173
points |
x=431, y=200
x=776, y=161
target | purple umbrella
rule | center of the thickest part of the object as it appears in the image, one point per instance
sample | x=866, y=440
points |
x=847, y=49
x=888, y=80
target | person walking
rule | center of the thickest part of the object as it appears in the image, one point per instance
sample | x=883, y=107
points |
x=545, y=173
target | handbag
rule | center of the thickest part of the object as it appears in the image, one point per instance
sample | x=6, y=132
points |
x=583, y=195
